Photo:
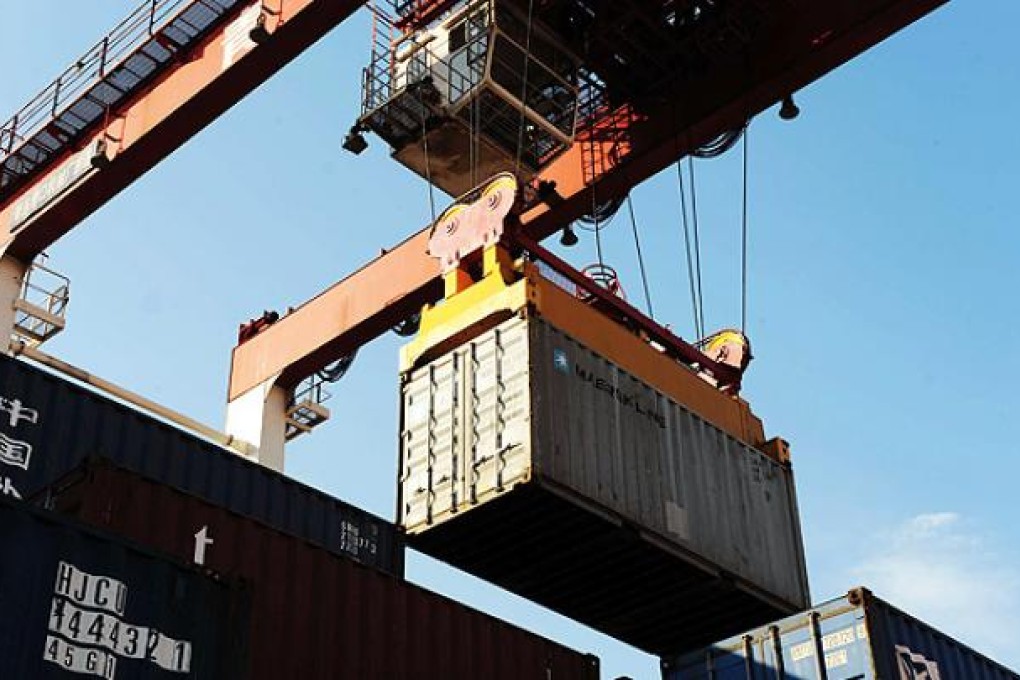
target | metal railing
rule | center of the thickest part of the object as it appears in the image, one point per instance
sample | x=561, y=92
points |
x=46, y=288
x=603, y=130
x=408, y=87
x=305, y=411
x=409, y=12
x=32, y=136
x=376, y=77
x=397, y=62
x=122, y=41
x=311, y=390
x=456, y=73
x=42, y=306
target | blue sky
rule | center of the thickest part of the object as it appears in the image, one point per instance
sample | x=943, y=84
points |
x=882, y=309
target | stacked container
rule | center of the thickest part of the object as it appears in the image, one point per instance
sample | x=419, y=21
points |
x=856, y=637
x=75, y=603
x=316, y=615
x=49, y=426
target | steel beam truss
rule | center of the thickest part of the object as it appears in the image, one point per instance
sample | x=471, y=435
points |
x=153, y=84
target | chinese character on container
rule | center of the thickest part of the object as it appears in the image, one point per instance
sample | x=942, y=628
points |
x=16, y=411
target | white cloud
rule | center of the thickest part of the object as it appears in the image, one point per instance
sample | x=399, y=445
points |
x=926, y=524
x=939, y=568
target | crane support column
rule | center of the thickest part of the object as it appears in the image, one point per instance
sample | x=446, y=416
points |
x=258, y=418
x=12, y=276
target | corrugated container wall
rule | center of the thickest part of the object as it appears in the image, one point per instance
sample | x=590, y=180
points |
x=74, y=603
x=315, y=615
x=532, y=462
x=855, y=637
x=49, y=425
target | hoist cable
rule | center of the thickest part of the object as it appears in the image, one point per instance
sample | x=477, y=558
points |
x=524, y=87
x=477, y=104
x=697, y=249
x=474, y=142
x=597, y=227
x=743, y=241
x=602, y=215
x=683, y=214
x=333, y=374
x=428, y=163
x=472, y=132
x=640, y=257
x=687, y=242
x=720, y=145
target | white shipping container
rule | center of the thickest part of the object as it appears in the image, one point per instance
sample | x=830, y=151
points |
x=531, y=461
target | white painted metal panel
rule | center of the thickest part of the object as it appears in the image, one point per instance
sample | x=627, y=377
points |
x=539, y=406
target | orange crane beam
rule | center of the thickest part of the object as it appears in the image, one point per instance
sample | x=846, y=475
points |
x=342, y=318
x=221, y=66
x=826, y=37
x=392, y=287
x=189, y=93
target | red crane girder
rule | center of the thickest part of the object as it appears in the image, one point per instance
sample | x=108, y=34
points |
x=86, y=167
x=179, y=99
x=357, y=309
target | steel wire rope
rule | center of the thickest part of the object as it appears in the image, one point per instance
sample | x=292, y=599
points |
x=720, y=145
x=596, y=228
x=640, y=257
x=697, y=248
x=474, y=111
x=524, y=85
x=598, y=213
x=597, y=224
x=687, y=242
x=685, y=227
x=479, y=76
x=472, y=125
x=601, y=214
x=476, y=138
x=333, y=374
x=428, y=162
x=744, y=235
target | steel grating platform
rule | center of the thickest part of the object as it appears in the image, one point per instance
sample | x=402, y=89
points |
x=155, y=35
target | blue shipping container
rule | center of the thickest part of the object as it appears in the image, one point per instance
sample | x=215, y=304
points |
x=856, y=637
x=78, y=604
x=49, y=426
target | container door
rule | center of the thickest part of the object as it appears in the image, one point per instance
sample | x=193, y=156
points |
x=429, y=469
x=466, y=430
x=748, y=661
x=829, y=647
x=498, y=411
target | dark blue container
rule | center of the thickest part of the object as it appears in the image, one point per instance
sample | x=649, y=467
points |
x=78, y=604
x=49, y=426
x=856, y=637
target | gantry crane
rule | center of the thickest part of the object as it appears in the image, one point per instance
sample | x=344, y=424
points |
x=173, y=66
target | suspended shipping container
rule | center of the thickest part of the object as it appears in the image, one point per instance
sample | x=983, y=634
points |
x=74, y=603
x=49, y=425
x=855, y=637
x=316, y=615
x=559, y=466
